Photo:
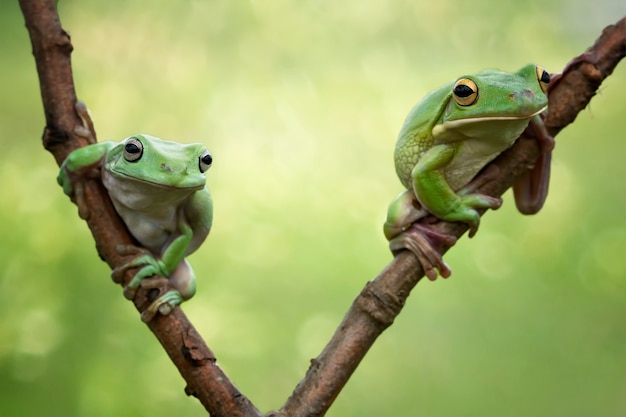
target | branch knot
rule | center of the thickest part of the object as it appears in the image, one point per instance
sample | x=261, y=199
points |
x=380, y=305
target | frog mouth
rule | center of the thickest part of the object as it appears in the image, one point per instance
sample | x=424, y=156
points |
x=170, y=187
x=160, y=185
x=174, y=187
x=457, y=123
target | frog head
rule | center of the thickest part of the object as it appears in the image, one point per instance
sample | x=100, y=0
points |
x=158, y=162
x=493, y=100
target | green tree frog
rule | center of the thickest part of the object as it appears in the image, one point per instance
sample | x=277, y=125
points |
x=447, y=138
x=158, y=189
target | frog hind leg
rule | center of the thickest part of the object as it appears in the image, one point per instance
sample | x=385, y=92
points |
x=434, y=192
x=407, y=227
x=531, y=188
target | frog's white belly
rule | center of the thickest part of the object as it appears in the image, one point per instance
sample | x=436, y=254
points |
x=152, y=232
x=472, y=156
x=151, y=213
x=481, y=144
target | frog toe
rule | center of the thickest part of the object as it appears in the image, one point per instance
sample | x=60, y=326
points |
x=467, y=215
x=149, y=266
x=164, y=305
x=467, y=212
x=130, y=292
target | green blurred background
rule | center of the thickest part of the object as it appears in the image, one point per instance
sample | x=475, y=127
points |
x=300, y=104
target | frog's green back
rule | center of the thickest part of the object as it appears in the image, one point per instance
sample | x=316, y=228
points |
x=415, y=137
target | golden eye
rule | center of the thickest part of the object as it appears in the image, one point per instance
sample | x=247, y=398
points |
x=465, y=92
x=543, y=77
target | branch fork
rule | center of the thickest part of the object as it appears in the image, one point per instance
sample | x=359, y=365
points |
x=382, y=299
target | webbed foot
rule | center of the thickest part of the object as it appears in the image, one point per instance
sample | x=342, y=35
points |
x=150, y=276
x=144, y=259
x=425, y=242
x=164, y=304
x=86, y=130
x=467, y=212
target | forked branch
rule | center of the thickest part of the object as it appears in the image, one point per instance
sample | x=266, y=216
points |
x=382, y=299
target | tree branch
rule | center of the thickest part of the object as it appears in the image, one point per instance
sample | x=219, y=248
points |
x=383, y=298
x=195, y=361
x=378, y=303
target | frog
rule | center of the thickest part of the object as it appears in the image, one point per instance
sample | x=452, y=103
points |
x=448, y=137
x=158, y=188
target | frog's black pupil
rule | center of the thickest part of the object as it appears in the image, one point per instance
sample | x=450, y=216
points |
x=463, y=91
x=545, y=77
x=132, y=148
x=207, y=159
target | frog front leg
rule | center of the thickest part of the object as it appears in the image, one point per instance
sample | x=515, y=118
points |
x=435, y=194
x=80, y=164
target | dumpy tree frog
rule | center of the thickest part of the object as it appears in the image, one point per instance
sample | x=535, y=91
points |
x=158, y=189
x=447, y=139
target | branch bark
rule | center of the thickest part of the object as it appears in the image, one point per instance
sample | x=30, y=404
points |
x=379, y=302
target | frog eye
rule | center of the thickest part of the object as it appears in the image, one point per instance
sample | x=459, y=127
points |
x=133, y=150
x=465, y=92
x=543, y=77
x=205, y=161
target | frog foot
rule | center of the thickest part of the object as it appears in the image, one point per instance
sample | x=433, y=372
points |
x=144, y=259
x=79, y=196
x=86, y=130
x=467, y=212
x=531, y=188
x=164, y=305
x=423, y=241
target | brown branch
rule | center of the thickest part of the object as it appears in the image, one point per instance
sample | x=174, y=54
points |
x=380, y=301
x=195, y=361
x=383, y=298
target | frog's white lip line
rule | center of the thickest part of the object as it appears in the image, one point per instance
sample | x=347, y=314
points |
x=159, y=185
x=460, y=122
